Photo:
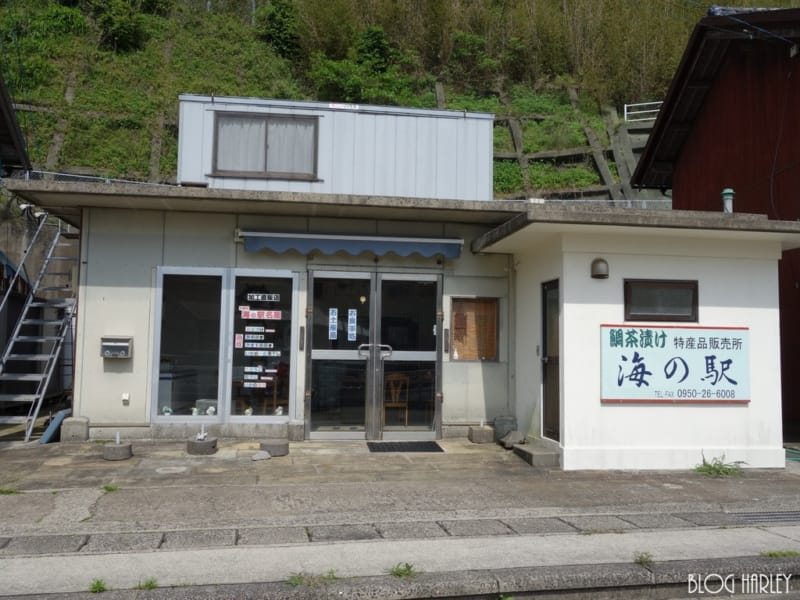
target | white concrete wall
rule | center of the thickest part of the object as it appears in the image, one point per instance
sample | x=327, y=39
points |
x=539, y=264
x=122, y=250
x=363, y=150
x=738, y=287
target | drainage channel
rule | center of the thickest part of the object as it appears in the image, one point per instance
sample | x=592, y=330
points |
x=768, y=517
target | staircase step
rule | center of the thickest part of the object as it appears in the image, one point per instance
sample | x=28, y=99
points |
x=17, y=397
x=37, y=338
x=58, y=273
x=28, y=357
x=536, y=456
x=54, y=303
x=21, y=377
x=70, y=235
x=65, y=258
x=42, y=322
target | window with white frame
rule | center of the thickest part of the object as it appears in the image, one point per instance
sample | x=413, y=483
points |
x=269, y=146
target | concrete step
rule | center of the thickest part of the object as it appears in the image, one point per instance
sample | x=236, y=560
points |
x=537, y=456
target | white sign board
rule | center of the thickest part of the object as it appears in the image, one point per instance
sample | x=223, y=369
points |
x=653, y=364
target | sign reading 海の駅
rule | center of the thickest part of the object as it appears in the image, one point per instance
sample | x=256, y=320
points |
x=674, y=365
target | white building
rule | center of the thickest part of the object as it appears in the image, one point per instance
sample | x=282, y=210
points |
x=360, y=283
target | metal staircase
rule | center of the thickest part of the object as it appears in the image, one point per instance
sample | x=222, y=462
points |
x=32, y=353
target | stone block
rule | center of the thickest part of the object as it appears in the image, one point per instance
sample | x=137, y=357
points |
x=75, y=429
x=296, y=431
x=275, y=446
x=481, y=435
x=202, y=447
x=511, y=438
x=114, y=451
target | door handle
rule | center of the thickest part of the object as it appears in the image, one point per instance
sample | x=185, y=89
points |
x=364, y=348
x=385, y=350
x=545, y=360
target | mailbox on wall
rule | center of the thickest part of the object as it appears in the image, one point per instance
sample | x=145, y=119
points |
x=113, y=346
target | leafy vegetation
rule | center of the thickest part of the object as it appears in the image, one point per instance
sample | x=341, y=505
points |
x=644, y=559
x=311, y=580
x=105, y=74
x=7, y=492
x=150, y=583
x=97, y=586
x=717, y=467
x=780, y=553
x=403, y=571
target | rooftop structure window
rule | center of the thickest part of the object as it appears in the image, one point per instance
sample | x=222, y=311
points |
x=266, y=146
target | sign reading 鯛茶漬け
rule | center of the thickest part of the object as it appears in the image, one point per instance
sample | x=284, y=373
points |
x=678, y=365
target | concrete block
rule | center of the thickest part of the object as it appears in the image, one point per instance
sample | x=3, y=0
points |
x=296, y=431
x=476, y=527
x=202, y=447
x=338, y=533
x=481, y=434
x=75, y=429
x=198, y=538
x=537, y=457
x=275, y=446
x=455, y=431
x=269, y=536
x=511, y=438
x=413, y=530
x=122, y=451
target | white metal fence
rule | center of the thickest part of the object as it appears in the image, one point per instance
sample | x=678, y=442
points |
x=642, y=111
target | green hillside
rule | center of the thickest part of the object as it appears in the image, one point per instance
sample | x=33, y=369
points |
x=96, y=81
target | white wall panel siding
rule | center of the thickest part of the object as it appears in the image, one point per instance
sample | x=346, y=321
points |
x=363, y=160
x=446, y=159
x=405, y=162
x=362, y=150
x=120, y=248
x=195, y=239
x=342, y=176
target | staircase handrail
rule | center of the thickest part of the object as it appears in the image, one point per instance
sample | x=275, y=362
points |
x=21, y=265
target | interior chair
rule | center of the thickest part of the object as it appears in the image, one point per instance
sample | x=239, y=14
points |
x=396, y=394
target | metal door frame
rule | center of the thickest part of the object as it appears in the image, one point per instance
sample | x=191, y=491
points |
x=374, y=353
x=548, y=363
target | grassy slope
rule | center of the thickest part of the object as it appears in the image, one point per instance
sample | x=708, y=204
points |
x=123, y=105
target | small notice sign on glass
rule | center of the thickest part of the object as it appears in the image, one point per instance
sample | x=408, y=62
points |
x=333, y=323
x=352, y=319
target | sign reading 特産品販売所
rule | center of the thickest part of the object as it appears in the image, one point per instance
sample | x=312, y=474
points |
x=674, y=365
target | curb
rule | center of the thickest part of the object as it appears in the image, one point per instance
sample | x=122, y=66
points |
x=613, y=580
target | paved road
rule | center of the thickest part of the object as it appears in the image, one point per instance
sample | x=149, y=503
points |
x=474, y=519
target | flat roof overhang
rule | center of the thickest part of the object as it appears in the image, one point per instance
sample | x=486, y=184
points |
x=538, y=223
x=67, y=199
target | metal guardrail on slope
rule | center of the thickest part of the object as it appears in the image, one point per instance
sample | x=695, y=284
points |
x=642, y=111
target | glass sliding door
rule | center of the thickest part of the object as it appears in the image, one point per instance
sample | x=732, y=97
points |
x=340, y=325
x=374, y=355
x=408, y=333
x=188, y=373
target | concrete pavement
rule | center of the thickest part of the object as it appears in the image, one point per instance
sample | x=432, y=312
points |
x=334, y=519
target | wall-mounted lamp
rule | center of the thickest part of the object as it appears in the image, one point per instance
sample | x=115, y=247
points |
x=727, y=200
x=599, y=268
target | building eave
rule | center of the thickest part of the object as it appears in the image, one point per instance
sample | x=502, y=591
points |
x=67, y=199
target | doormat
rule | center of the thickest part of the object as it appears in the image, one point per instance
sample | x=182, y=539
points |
x=404, y=447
